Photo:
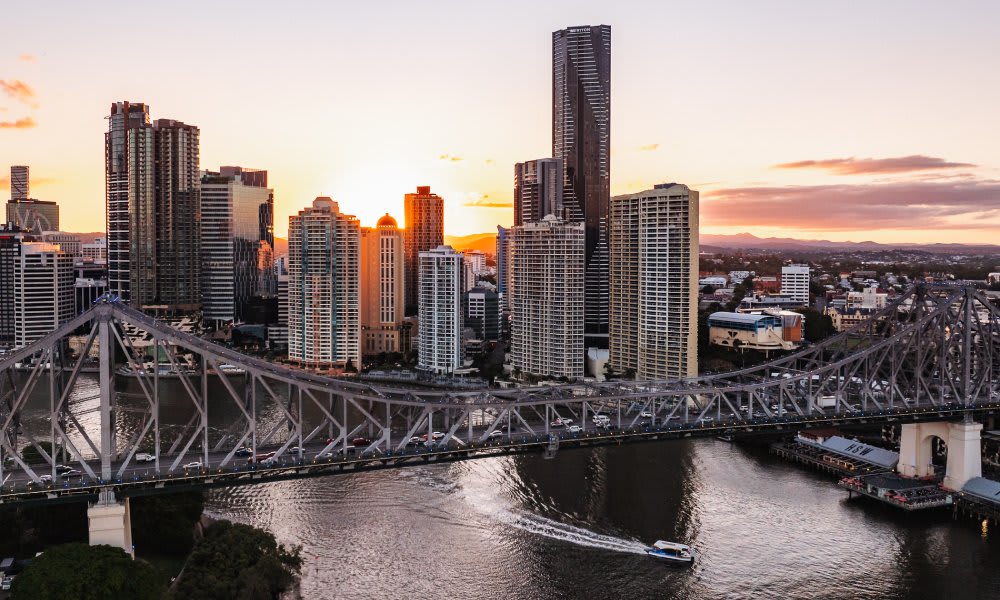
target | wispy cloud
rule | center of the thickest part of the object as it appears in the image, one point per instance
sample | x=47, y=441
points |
x=27, y=58
x=484, y=201
x=648, y=147
x=868, y=166
x=974, y=204
x=25, y=123
x=449, y=157
x=490, y=161
x=18, y=90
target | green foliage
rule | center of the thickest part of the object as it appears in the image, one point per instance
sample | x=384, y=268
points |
x=818, y=326
x=28, y=529
x=238, y=561
x=164, y=525
x=86, y=572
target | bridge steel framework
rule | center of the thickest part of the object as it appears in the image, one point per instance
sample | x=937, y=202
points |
x=933, y=353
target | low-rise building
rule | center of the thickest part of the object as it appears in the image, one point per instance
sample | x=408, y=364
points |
x=766, y=331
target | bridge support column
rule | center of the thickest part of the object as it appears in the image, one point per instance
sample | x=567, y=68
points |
x=965, y=457
x=110, y=523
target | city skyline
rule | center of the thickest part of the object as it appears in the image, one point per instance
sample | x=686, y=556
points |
x=845, y=141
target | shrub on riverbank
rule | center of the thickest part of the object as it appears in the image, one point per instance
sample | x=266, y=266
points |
x=87, y=572
x=238, y=561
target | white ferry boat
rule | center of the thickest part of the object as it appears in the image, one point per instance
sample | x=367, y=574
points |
x=672, y=552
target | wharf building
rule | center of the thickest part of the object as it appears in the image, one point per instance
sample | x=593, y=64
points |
x=237, y=245
x=424, y=214
x=581, y=138
x=654, y=282
x=382, y=287
x=547, y=298
x=439, y=337
x=323, y=282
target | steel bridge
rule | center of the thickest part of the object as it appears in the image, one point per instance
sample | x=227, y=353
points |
x=231, y=419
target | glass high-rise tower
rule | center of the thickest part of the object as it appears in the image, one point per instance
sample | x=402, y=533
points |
x=581, y=137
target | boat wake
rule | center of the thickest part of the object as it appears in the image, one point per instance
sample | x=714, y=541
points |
x=576, y=535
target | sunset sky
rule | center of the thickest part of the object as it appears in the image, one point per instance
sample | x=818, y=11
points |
x=844, y=121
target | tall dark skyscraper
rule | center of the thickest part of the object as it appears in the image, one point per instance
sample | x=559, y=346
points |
x=424, y=213
x=130, y=203
x=581, y=137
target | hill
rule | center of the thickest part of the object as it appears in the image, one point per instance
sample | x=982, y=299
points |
x=484, y=242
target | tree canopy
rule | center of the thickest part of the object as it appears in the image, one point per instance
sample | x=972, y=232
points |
x=86, y=572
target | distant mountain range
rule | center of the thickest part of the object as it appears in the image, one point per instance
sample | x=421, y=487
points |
x=486, y=242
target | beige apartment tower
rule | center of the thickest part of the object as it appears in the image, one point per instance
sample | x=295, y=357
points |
x=654, y=283
x=323, y=295
x=382, y=290
x=547, y=298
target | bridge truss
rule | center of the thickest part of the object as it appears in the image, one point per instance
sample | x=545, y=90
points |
x=232, y=419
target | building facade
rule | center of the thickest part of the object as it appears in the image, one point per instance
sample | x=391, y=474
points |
x=795, y=283
x=178, y=215
x=20, y=184
x=503, y=265
x=654, y=282
x=481, y=314
x=67, y=242
x=424, y=213
x=382, y=287
x=440, y=314
x=43, y=291
x=237, y=243
x=547, y=298
x=323, y=281
x=538, y=190
x=130, y=203
x=32, y=215
x=581, y=137
x=11, y=239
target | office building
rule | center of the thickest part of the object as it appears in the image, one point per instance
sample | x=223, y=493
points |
x=178, y=215
x=795, y=283
x=11, y=239
x=67, y=242
x=538, y=189
x=32, y=215
x=130, y=203
x=20, y=186
x=481, y=314
x=581, y=137
x=323, y=295
x=95, y=251
x=547, y=298
x=86, y=291
x=440, y=316
x=43, y=291
x=424, y=213
x=382, y=288
x=654, y=283
x=503, y=265
x=237, y=244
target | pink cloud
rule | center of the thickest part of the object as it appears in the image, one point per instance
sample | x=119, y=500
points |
x=18, y=90
x=864, y=166
x=25, y=123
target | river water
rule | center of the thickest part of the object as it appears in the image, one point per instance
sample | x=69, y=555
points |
x=575, y=527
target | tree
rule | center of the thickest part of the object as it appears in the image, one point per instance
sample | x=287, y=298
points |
x=238, y=561
x=818, y=326
x=87, y=572
x=164, y=525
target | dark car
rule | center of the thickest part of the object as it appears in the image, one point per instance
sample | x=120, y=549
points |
x=244, y=451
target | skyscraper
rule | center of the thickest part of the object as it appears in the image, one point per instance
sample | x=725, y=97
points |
x=424, y=213
x=130, y=203
x=503, y=266
x=440, y=301
x=178, y=215
x=11, y=239
x=323, y=295
x=547, y=290
x=581, y=137
x=654, y=282
x=382, y=287
x=795, y=282
x=43, y=291
x=32, y=215
x=237, y=242
x=20, y=188
x=538, y=190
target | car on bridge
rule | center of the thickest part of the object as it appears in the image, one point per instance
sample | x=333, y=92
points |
x=70, y=474
x=193, y=465
x=144, y=457
x=260, y=457
x=244, y=451
x=574, y=429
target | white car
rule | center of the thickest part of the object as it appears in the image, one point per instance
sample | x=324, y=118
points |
x=193, y=465
x=574, y=429
x=5, y=585
x=645, y=415
x=437, y=435
x=144, y=457
x=496, y=433
x=45, y=478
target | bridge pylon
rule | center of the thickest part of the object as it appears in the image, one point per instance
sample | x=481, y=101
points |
x=110, y=522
